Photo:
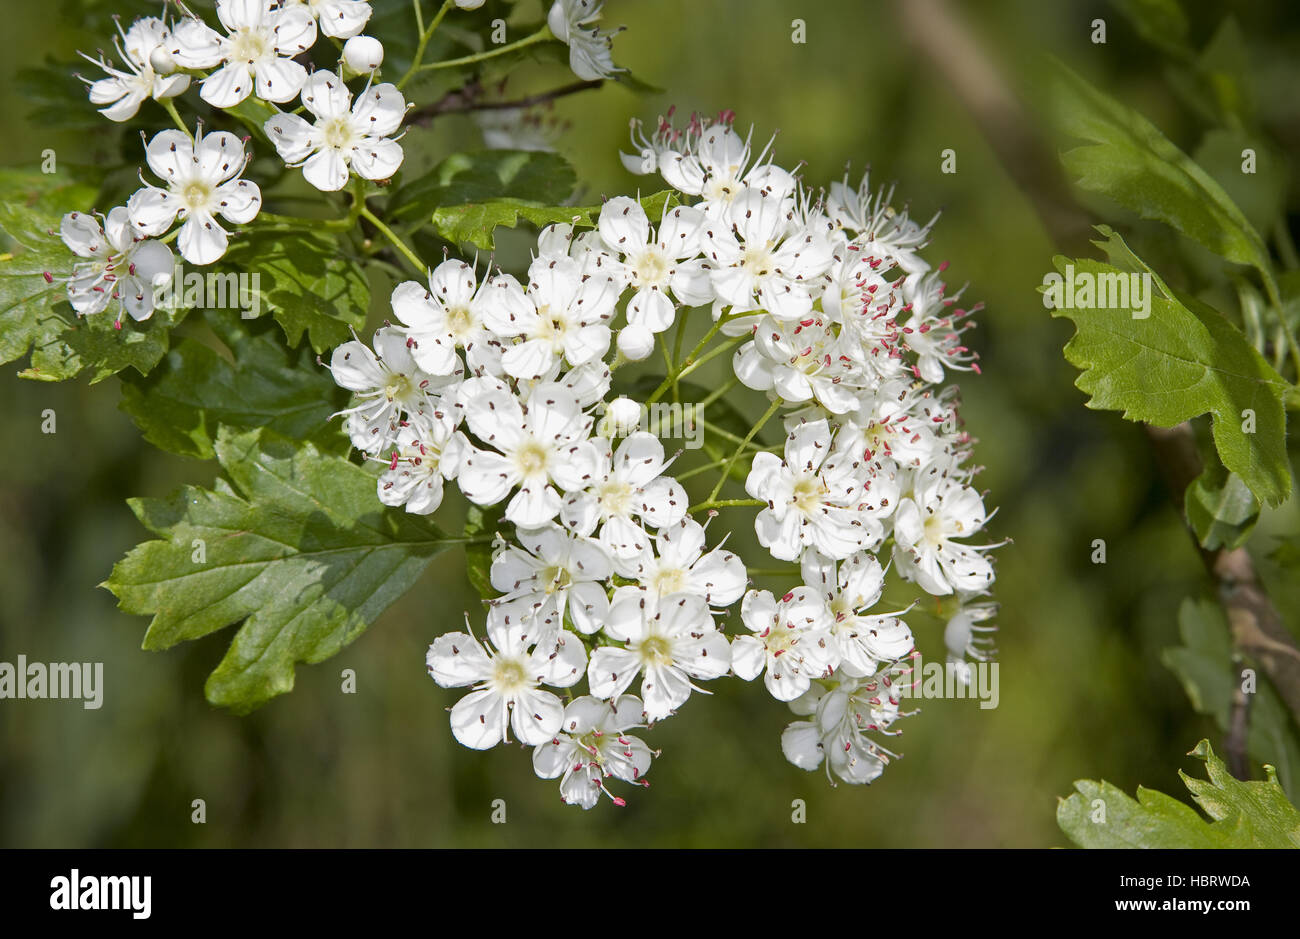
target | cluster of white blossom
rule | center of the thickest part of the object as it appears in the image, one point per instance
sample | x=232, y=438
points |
x=606, y=577
x=254, y=53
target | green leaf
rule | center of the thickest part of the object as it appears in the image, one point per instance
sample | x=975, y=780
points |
x=474, y=224
x=1136, y=166
x=478, y=557
x=180, y=405
x=1243, y=814
x=1179, y=362
x=1220, y=508
x=308, y=281
x=34, y=313
x=295, y=546
x=1210, y=675
x=1160, y=22
x=527, y=176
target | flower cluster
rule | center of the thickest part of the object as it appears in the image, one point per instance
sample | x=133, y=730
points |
x=602, y=573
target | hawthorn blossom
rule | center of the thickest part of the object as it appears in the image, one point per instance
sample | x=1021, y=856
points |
x=627, y=490
x=675, y=561
x=590, y=50
x=791, y=641
x=536, y=449
x=593, y=745
x=837, y=734
x=202, y=176
x=152, y=72
x=423, y=455
x=506, y=675
x=119, y=266
x=758, y=260
x=655, y=264
x=553, y=571
x=866, y=641
x=257, y=51
x=801, y=360
x=345, y=135
x=926, y=526
x=389, y=391
x=562, y=316
x=448, y=315
x=667, y=640
x=813, y=501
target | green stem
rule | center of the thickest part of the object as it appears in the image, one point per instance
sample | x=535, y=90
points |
x=425, y=36
x=398, y=243
x=726, y=470
x=690, y=363
x=715, y=395
x=542, y=35
x=170, y=107
x=723, y=504
x=1285, y=328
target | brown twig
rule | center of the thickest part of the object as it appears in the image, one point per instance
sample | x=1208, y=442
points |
x=1258, y=632
x=468, y=98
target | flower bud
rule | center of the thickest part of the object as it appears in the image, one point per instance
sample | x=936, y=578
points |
x=622, y=416
x=635, y=342
x=161, y=61
x=469, y=4
x=363, y=54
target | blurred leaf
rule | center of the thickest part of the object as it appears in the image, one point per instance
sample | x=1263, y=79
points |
x=308, y=281
x=1136, y=166
x=525, y=175
x=1259, y=194
x=298, y=549
x=1160, y=22
x=1181, y=361
x=1244, y=814
x=1220, y=508
x=1205, y=666
x=181, y=404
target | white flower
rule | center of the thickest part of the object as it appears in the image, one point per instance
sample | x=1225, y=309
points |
x=339, y=19
x=448, y=315
x=590, y=53
x=866, y=641
x=389, y=390
x=932, y=333
x=760, y=260
x=679, y=563
x=837, y=734
x=593, y=744
x=880, y=231
x=120, y=266
x=344, y=135
x=563, y=315
x=627, y=489
x=145, y=43
x=669, y=640
x=550, y=572
x=801, y=360
x=202, y=178
x=926, y=527
x=713, y=162
x=536, y=449
x=362, y=54
x=506, y=682
x=814, y=501
x=469, y=4
x=262, y=39
x=792, y=642
x=653, y=265
x=424, y=454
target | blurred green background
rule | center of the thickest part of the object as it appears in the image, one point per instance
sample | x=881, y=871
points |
x=1083, y=692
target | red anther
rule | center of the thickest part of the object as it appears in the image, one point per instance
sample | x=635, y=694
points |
x=49, y=278
x=619, y=801
x=788, y=597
